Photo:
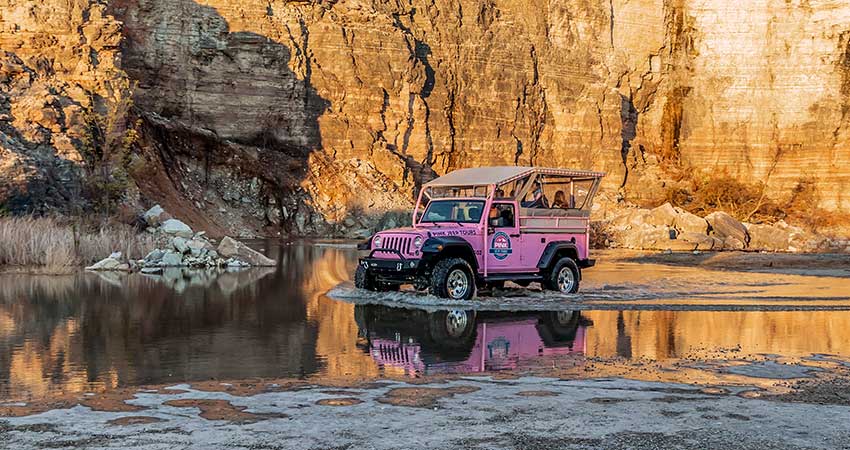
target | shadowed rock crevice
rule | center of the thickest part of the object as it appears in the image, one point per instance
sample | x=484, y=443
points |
x=225, y=113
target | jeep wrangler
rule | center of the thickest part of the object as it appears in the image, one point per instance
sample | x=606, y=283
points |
x=480, y=227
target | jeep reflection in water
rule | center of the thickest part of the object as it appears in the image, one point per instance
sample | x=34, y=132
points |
x=484, y=226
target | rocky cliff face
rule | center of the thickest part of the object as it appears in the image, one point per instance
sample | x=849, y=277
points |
x=318, y=117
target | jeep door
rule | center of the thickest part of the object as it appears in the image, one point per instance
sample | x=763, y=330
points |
x=502, y=248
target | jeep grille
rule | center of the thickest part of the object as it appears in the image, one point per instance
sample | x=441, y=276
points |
x=400, y=243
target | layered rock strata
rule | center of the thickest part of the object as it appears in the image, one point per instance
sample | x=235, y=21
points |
x=319, y=117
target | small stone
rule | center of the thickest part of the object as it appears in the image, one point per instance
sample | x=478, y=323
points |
x=152, y=270
x=115, y=255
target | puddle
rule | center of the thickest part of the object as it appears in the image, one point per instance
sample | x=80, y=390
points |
x=84, y=333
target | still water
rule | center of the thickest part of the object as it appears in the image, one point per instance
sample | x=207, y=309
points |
x=90, y=332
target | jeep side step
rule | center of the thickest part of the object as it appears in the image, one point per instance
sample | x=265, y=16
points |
x=514, y=276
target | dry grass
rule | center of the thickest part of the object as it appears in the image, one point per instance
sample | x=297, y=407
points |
x=58, y=246
x=749, y=203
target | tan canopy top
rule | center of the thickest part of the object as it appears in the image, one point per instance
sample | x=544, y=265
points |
x=479, y=176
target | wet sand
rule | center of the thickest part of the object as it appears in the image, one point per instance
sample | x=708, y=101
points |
x=463, y=412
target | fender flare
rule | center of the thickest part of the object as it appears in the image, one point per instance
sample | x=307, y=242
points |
x=552, y=249
x=434, y=246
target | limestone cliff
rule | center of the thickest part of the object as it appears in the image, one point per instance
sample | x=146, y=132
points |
x=318, y=117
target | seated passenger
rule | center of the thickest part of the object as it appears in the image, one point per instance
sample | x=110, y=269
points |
x=560, y=200
x=500, y=193
x=539, y=200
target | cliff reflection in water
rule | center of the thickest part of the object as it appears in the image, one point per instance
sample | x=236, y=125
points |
x=85, y=332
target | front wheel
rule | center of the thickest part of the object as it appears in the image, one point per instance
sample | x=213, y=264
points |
x=564, y=277
x=364, y=280
x=453, y=278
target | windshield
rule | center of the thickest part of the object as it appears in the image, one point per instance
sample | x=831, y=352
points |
x=461, y=211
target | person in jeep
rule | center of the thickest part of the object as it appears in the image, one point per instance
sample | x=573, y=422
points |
x=454, y=247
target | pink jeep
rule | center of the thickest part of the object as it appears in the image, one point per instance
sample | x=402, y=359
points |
x=484, y=226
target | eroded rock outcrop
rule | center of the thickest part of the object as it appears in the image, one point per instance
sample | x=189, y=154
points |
x=320, y=117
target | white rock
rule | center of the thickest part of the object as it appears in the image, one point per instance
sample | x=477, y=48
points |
x=177, y=228
x=154, y=256
x=180, y=244
x=115, y=255
x=106, y=264
x=231, y=248
x=171, y=259
x=152, y=216
x=725, y=226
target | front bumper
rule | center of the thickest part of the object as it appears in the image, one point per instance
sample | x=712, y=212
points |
x=398, y=270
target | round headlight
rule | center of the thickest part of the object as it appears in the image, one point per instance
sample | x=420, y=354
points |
x=376, y=243
x=417, y=241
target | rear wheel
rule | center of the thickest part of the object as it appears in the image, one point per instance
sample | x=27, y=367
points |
x=452, y=278
x=564, y=277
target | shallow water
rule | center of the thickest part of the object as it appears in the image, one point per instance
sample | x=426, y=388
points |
x=91, y=332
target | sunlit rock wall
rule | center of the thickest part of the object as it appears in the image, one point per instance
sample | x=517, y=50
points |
x=313, y=116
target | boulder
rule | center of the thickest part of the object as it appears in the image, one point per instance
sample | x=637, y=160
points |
x=171, y=259
x=701, y=241
x=153, y=215
x=768, y=237
x=644, y=236
x=732, y=243
x=662, y=216
x=180, y=244
x=198, y=247
x=231, y=248
x=154, y=256
x=107, y=264
x=177, y=228
x=725, y=226
x=686, y=222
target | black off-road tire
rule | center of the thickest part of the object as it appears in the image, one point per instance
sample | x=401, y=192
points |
x=452, y=341
x=364, y=280
x=551, y=282
x=440, y=278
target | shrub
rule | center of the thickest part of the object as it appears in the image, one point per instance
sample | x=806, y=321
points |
x=748, y=202
x=106, y=143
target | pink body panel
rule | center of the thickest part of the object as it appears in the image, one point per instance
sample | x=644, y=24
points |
x=506, y=250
